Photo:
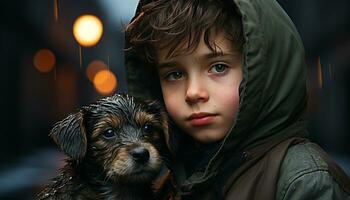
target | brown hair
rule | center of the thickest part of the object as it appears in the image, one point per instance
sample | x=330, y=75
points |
x=164, y=24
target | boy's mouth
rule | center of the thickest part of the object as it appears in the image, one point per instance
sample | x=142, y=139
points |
x=201, y=119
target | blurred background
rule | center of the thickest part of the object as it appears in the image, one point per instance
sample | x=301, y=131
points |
x=49, y=69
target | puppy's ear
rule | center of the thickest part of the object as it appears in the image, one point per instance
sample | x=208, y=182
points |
x=69, y=134
x=160, y=111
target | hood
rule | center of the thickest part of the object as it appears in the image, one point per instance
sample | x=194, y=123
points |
x=273, y=94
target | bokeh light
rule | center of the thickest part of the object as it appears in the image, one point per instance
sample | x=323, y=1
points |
x=94, y=67
x=319, y=73
x=44, y=60
x=105, y=82
x=87, y=30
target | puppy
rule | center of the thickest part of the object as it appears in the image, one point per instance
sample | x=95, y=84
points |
x=114, y=150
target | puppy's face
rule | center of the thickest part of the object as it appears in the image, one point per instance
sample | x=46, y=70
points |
x=119, y=134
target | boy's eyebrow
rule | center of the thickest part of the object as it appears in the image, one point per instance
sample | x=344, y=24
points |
x=213, y=55
x=219, y=54
x=166, y=64
x=204, y=56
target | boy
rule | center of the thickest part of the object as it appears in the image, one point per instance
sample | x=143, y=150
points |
x=232, y=76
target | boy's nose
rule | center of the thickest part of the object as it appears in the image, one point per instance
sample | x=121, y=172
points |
x=196, y=92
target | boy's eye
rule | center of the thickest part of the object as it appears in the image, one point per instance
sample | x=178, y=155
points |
x=218, y=68
x=174, y=76
x=109, y=134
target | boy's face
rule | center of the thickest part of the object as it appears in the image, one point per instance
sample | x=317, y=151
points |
x=200, y=89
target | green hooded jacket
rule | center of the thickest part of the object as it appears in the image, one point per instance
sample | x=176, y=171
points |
x=265, y=155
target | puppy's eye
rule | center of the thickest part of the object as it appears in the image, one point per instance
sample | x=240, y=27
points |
x=109, y=133
x=148, y=128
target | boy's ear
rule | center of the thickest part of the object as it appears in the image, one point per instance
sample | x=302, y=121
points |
x=69, y=134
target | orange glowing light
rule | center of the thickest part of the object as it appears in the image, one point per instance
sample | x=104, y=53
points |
x=105, y=82
x=94, y=67
x=55, y=10
x=44, y=60
x=87, y=30
x=319, y=73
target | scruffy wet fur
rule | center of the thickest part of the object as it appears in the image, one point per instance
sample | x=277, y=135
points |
x=114, y=150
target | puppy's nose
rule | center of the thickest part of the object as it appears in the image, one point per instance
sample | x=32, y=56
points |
x=140, y=154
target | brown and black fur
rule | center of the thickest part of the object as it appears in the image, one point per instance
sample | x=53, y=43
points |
x=114, y=150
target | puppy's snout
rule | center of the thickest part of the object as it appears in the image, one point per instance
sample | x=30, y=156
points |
x=140, y=154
